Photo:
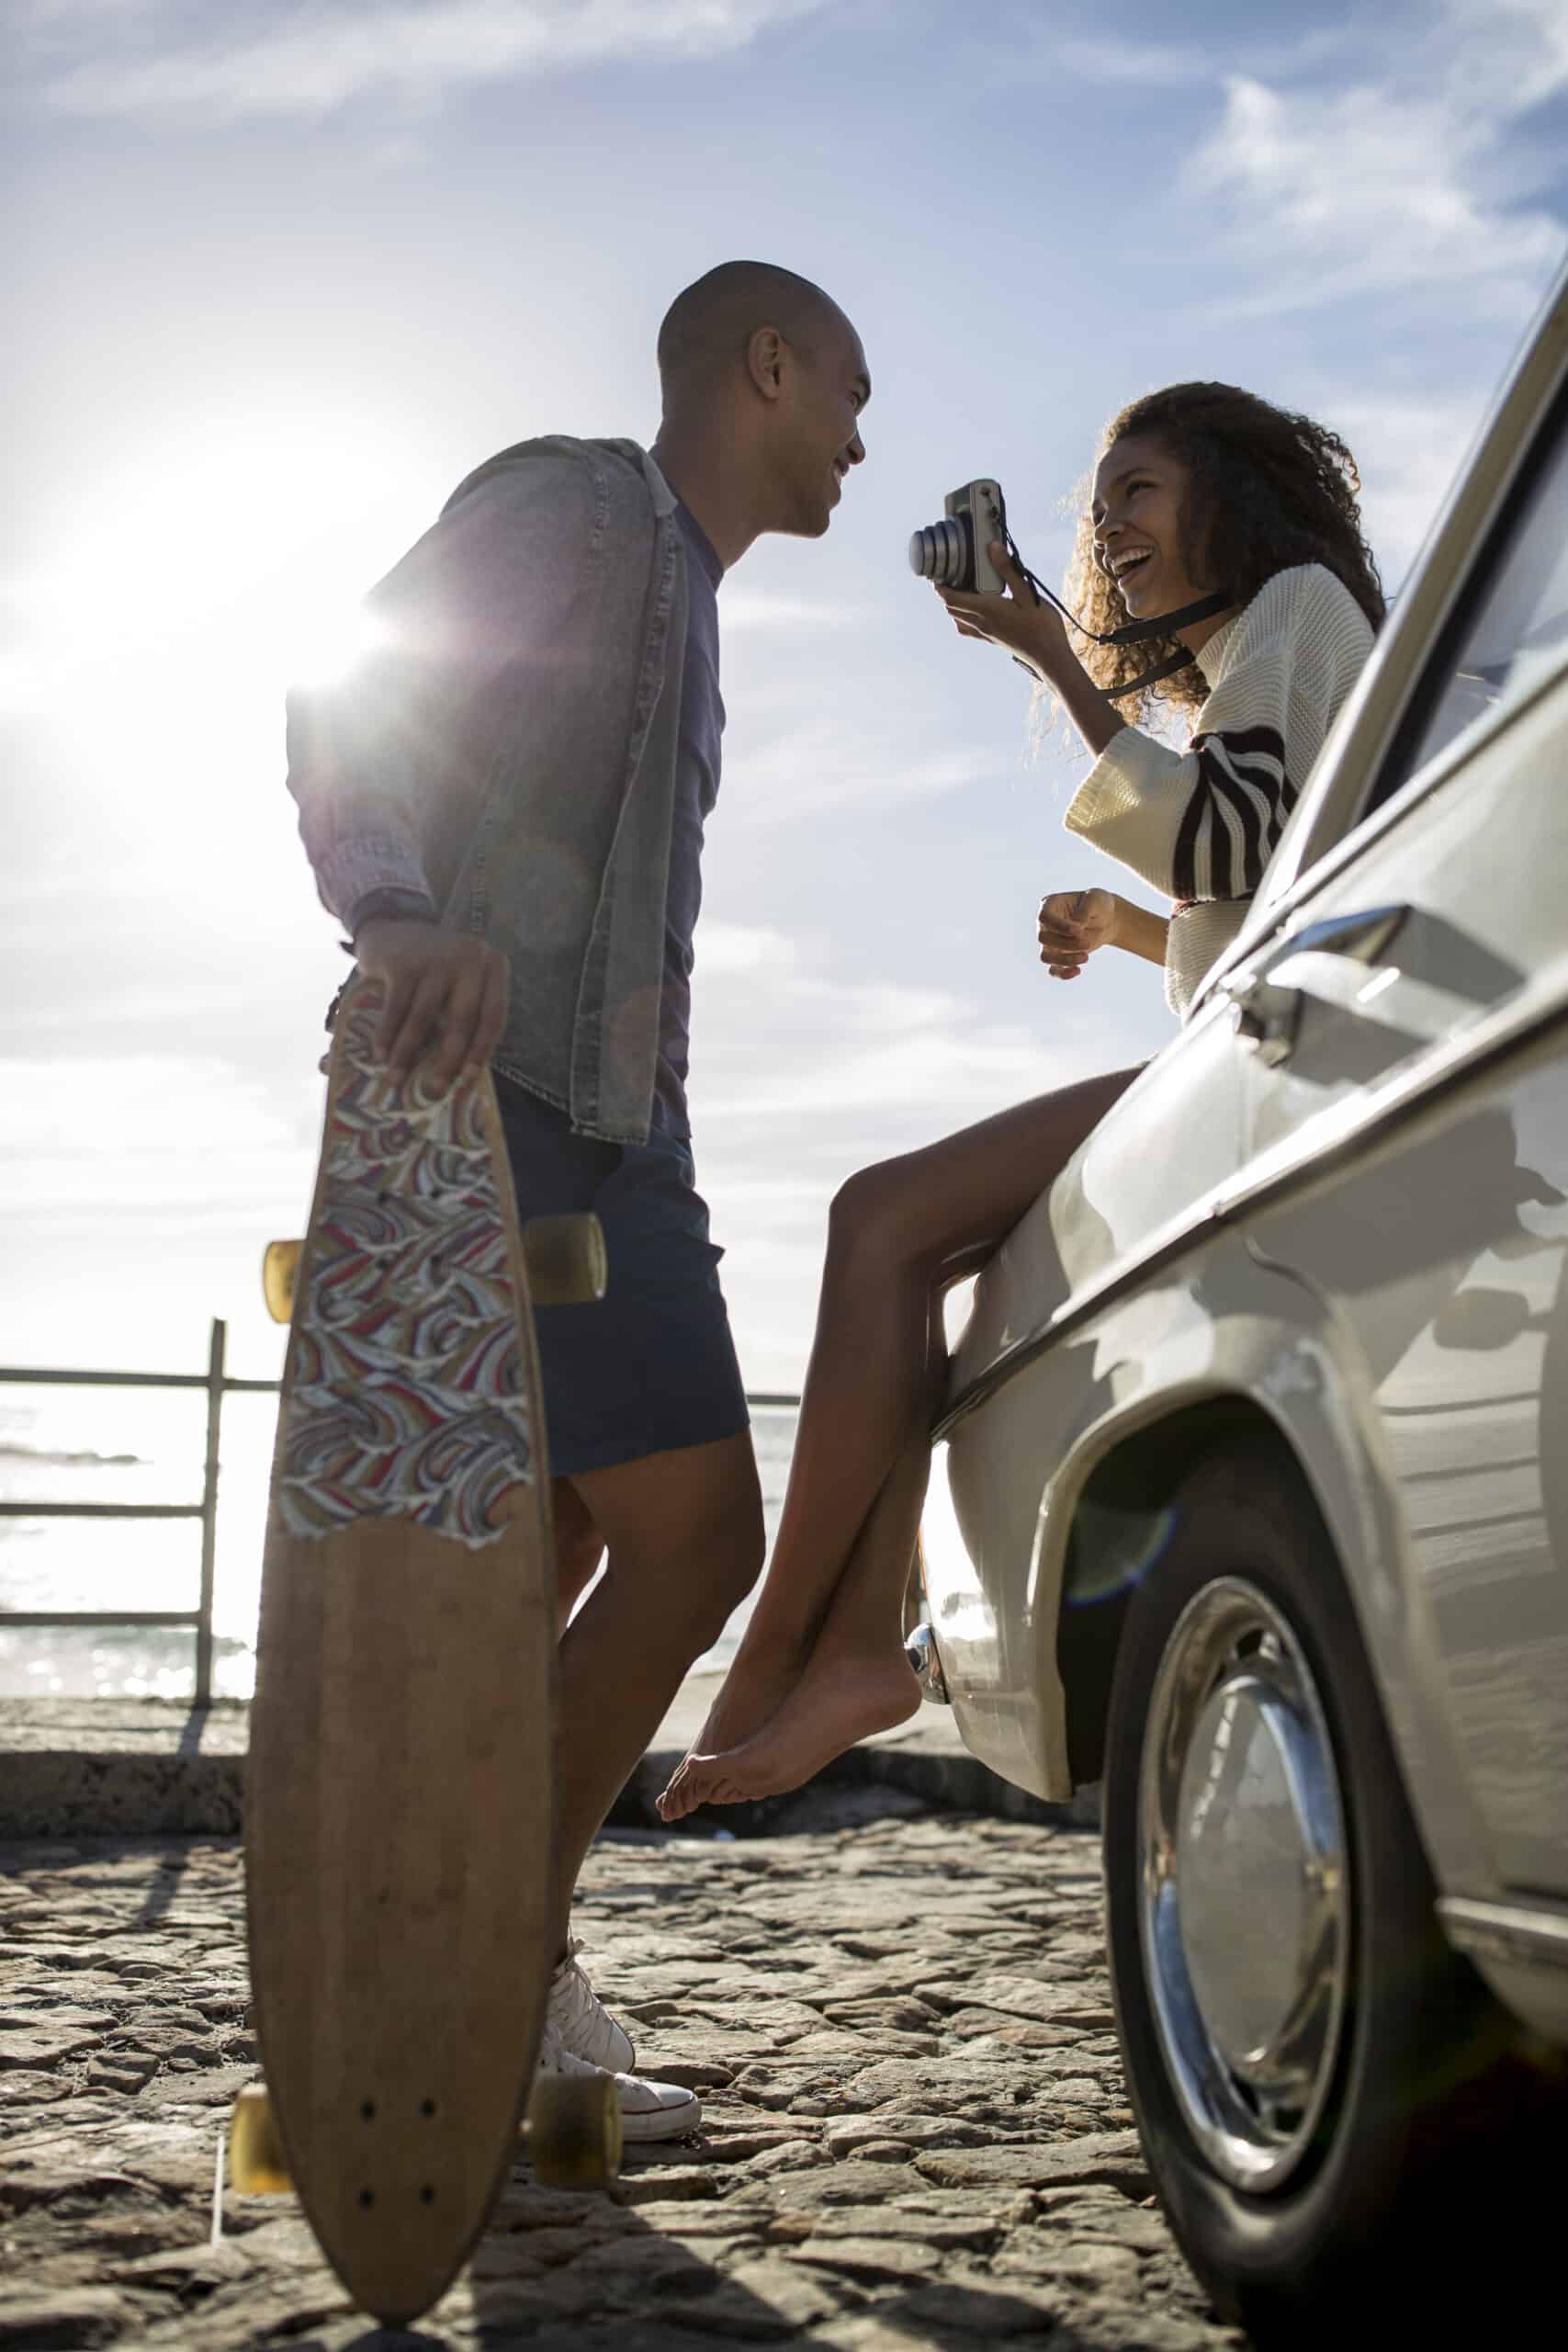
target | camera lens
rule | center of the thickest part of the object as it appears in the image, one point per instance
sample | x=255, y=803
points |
x=940, y=552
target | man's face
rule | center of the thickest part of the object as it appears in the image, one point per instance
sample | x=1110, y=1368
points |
x=820, y=438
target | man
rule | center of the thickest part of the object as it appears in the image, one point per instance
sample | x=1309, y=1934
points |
x=505, y=807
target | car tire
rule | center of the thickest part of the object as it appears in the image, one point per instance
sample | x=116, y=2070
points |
x=1359, y=2141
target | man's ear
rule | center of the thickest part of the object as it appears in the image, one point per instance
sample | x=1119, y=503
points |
x=765, y=362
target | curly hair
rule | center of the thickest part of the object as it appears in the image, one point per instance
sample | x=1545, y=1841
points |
x=1267, y=489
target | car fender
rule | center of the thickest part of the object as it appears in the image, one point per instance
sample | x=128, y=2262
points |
x=1056, y=1488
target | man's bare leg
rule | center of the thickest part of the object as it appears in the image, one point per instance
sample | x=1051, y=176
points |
x=580, y=1547
x=897, y=1232
x=684, y=1536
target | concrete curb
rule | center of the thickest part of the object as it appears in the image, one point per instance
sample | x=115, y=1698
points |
x=120, y=1768
x=149, y=1767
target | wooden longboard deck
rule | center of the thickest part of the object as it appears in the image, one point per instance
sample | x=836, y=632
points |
x=398, y=1816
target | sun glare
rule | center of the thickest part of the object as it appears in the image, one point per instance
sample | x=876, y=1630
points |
x=228, y=567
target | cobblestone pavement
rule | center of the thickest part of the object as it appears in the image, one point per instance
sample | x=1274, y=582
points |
x=916, y=2136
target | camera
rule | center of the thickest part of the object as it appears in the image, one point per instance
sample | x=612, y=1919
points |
x=953, y=552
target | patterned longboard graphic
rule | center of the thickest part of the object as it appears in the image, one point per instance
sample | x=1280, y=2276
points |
x=407, y=1399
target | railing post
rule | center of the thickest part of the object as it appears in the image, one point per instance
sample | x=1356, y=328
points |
x=215, y=1356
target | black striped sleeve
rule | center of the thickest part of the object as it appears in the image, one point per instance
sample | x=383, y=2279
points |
x=1232, y=823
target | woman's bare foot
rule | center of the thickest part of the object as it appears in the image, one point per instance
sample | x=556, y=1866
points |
x=837, y=1703
x=751, y=1692
x=755, y=1689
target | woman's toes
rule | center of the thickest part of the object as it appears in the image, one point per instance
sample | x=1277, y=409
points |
x=702, y=1776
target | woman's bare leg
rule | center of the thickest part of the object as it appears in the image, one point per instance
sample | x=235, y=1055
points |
x=896, y=1232
x=857, y=1680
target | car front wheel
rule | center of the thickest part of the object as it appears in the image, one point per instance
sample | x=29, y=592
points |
x=1324, y=2088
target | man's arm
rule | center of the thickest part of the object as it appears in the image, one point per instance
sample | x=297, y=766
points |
x=375, y=760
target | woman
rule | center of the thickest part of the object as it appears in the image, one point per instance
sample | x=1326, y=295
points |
x=1200, y=490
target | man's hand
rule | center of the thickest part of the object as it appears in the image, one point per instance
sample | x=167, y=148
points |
x=1073, y=924
x=445, y=996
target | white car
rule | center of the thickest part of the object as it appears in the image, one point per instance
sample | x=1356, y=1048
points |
x=1252, y=1498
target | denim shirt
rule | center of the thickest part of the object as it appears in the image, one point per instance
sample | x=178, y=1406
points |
x=508, y=746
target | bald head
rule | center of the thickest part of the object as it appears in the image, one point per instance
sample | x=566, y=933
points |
x=764, y=380
x=708, y=328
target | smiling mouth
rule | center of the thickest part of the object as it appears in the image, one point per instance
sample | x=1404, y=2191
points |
x=1122, y=573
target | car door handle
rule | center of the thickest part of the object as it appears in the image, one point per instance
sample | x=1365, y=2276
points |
x=1264, y=1015
x=1362, y=936
x=1266, y=1011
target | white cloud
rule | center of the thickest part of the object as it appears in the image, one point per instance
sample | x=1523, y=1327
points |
x=1118, y=54
x=1409, y=450
x=834, y=767
x=871, y=1066
x=310, y=61
x=729, y=947
x=1129, y=63
x=802, y=1074
x=1514, y=51
x=755, y=609
x=1414, y=177
x=193, y=1138
x=1372, y=187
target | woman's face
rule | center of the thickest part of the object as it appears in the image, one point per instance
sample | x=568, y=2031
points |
x=1140, y=492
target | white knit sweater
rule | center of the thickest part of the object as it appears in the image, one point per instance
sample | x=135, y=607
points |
x=1203, y=824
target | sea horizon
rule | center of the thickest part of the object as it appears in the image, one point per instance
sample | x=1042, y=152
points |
x=147, y=1445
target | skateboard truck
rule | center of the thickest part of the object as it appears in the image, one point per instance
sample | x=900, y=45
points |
x=573, y=2137
x=564, y=1255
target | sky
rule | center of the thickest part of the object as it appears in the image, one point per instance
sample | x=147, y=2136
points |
x=279, y=275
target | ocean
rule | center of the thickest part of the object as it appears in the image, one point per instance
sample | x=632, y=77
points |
x=142, y=1445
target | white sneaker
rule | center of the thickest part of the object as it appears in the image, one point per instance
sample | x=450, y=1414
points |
x=582, y=2021
x=649, y=2111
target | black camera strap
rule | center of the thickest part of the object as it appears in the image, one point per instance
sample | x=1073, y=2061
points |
x=1130, y=632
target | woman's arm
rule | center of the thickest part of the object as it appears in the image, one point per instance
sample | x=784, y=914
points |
x=1202, y=824
x=1140, y=931
x=1073, y=924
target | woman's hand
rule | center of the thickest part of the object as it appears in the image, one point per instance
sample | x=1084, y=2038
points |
x=1073, y=924
x=1033, y=633
x=1037, y=636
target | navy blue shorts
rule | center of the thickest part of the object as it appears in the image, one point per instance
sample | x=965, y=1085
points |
x=651, y=1365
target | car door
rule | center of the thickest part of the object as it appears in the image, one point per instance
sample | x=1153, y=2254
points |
x=1403, y=1028
x=995, y=1616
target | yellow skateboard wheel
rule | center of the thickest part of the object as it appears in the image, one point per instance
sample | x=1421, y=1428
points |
x=566, y=1260
x=257, y=2166
x=574, y=2130
x=280, y=1264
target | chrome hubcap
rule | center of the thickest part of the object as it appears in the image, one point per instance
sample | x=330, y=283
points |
x=1243, y=1895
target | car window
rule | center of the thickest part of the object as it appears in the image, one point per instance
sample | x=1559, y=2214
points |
x=1515, y=634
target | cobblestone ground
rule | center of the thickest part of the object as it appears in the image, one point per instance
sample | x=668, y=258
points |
x=916, y=2134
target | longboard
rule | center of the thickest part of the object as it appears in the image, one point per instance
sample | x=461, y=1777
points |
x=399, y=1797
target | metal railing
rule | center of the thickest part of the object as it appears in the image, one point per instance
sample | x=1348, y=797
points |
x=217, y=1385
x=198, y=1620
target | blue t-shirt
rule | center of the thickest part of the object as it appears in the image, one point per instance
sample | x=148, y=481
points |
x=696, y=789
